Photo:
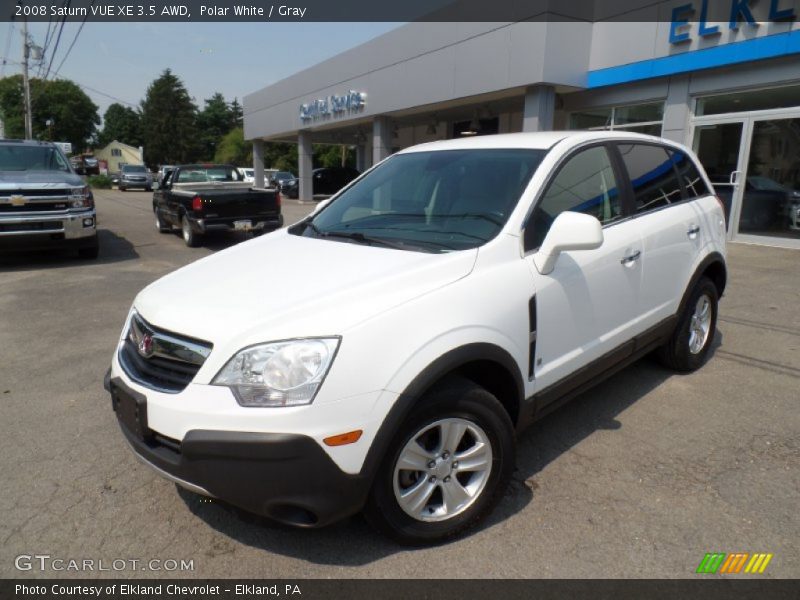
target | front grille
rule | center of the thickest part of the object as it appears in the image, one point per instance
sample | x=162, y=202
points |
x=32, y=226
x=34, y=207
x=36, y=193
x=158, y=359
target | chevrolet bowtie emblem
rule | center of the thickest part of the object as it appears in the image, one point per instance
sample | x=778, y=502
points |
x=17, y=200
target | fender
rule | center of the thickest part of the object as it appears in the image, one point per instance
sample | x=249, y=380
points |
x=434, y=372
x=713, y=258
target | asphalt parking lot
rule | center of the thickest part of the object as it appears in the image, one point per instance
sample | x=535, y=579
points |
x=638, y=478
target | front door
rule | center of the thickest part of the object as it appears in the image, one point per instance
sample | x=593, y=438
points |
x=588, y=304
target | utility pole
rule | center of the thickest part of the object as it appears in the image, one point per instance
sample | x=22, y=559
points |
x=25, y=82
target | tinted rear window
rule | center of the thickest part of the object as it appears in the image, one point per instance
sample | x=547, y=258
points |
x=695, y=185
x=654, y=180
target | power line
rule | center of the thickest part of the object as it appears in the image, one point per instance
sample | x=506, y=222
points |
x=75, y=39
x=58, y=39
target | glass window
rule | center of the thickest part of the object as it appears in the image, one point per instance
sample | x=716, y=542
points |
x=695, y=185
x=429, y=201
x=590, y=119
x=642, y=118
x=585, y=184
x=116, y=152
x=639, y=113
x=653, y=178
x=781, y=97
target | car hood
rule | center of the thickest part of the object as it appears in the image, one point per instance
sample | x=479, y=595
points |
x=38, y=179
x=281, y=286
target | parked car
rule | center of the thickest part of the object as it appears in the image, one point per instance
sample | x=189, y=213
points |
x=325, y=181
x=278, y=177
x=91, y=165
x=202, y=198
x=248, y=174
x=382, y=353
x=43, y=202
x=135, y=176
x=768, y=205
x=163, y=171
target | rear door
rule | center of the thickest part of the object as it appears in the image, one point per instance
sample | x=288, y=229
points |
x=670, y=225
x=587, y=307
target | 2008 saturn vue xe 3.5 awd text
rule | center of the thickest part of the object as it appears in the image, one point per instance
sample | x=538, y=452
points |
x=382, y=353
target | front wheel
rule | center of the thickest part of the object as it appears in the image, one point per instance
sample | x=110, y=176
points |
x=191, y=238
x=160, y=225
x=690, y=343
x=446, y=468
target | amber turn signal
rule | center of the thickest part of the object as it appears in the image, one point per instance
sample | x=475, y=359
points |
x=342, y=439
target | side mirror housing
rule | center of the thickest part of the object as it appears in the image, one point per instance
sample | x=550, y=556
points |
x=569, y=231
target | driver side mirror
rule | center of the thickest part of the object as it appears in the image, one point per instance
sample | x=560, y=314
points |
x=569, y=231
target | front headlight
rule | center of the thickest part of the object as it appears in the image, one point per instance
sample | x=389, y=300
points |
x=81, y=198
x=286, y=373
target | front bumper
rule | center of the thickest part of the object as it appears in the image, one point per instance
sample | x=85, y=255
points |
x=135, y=184
x=286, y=477
x=68, y=229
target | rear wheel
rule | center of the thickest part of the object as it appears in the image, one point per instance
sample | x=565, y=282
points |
x=191, y=238
x=446, y=468
x=690, y=343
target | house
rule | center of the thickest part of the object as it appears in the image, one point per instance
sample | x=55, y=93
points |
x=116, y=154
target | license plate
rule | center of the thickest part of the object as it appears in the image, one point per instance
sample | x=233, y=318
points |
x=242, y=225
x=131, y=412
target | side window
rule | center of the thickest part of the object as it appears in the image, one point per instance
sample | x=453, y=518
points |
x=653, y=178
x=586, y=184
x=695, y=185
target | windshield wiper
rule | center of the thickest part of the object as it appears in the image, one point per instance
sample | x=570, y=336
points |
x=357, y=236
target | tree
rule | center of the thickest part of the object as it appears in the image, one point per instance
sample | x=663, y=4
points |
x=237, y=114
x=169, y=122
x=72, y=114
x=123, y=124
x=233, y=150
x=213, y=123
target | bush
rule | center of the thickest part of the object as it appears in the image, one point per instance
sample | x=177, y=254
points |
x=102, y=182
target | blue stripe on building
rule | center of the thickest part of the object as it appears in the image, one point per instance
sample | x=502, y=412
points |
x=773, y=46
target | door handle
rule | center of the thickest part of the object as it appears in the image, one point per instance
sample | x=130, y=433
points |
x=694, y=230
x=631, y=258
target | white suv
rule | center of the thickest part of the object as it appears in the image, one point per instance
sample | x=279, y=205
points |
x=382, y=353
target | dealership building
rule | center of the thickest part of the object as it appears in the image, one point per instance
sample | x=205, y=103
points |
x=729, y=89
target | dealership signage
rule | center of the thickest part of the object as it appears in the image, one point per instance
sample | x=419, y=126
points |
x=694, y=17
x=333, y=105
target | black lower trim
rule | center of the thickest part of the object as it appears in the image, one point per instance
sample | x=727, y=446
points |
x=263, y=222
x=286, y=477
x=559, y=393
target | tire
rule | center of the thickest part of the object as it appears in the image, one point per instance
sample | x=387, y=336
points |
x=160, y=225
x=122, y=189
x=191, y=238
x=688, y=347
x=89, y=252
x=457, y=405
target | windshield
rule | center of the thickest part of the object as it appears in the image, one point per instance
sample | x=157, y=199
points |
x=18, y=157
x=434, y=201
x=283, y=175
x=134, y=169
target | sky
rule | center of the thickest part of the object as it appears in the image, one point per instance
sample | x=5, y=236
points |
x=117, y=61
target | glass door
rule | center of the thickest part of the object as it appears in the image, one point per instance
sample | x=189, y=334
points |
x=720, y=147
x=770, y=204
